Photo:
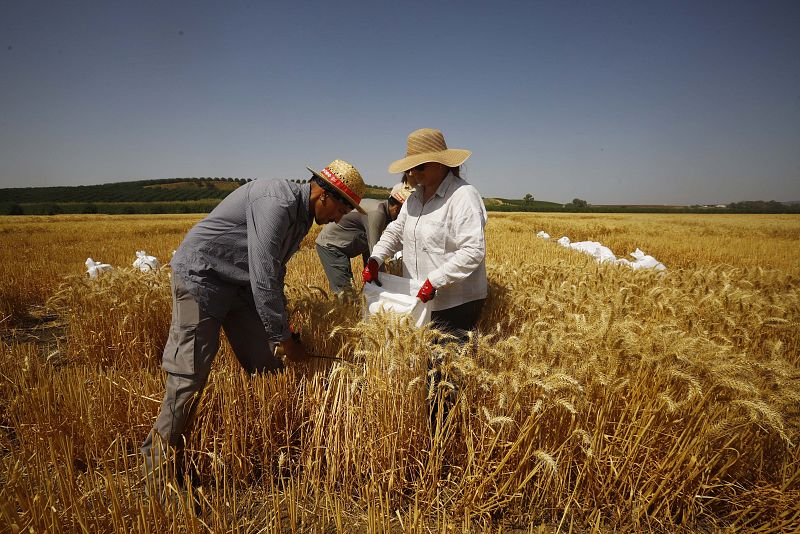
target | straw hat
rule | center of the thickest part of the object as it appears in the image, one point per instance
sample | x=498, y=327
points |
x=401, y=192
x=346, y=180
x=427, y=144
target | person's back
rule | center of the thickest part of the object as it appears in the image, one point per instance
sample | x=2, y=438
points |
x=215, y=257
x=355, y=235
x=228, y=275
x=348, y=235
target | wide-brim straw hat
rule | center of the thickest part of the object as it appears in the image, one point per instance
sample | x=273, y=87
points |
x=425, y=145
x=346, y=180
x=401, y=192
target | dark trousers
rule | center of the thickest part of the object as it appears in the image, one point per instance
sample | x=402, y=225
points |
x=457, y=321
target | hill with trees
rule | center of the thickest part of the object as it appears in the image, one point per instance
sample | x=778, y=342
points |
x=201, y=195
x=168, y=195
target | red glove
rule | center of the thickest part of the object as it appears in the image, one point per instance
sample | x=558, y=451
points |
x=426, y=292
x=370, y=272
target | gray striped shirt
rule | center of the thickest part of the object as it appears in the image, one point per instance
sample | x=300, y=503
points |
x=242, y=247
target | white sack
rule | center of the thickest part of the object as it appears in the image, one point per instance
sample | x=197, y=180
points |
x=396, y=294
x=643, y=261
x=597, y=250
x=543, y=234
x=145, y=263
x=593, y=248
x=603, y=254
x=94, y=268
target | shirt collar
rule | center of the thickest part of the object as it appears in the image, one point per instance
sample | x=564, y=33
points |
x=441, y=191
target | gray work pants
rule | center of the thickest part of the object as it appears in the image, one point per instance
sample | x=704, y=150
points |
x=337, y=268
x=190, y=350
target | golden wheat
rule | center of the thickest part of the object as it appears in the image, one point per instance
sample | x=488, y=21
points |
x=592, y=397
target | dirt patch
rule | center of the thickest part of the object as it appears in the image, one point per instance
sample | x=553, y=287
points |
x=40, y=327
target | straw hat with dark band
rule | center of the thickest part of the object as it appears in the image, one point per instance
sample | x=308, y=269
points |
x=345, y=179
x=427, y=144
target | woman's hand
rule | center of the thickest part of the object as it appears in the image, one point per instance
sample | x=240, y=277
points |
x=426, y=292
x=370, y=272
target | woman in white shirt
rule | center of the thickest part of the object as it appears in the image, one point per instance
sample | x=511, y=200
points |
x=441, y=232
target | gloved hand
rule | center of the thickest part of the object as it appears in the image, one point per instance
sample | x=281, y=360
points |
x=370, y=272
x=293, y=350
x=426, y=292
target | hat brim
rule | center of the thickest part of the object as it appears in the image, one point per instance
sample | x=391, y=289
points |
x=342, y=193
x=452, y=157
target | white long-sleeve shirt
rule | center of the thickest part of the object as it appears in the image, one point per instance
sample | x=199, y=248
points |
x=442, y=240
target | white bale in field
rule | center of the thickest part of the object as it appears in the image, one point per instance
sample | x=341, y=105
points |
x=543, y=234
x=94, y=268
x=603, y=254
x=593, y=248
x=600, y=252
x=398, y=295
x=145, y=263
x=642, y=261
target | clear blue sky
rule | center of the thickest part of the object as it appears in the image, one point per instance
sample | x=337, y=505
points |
x=612, y=102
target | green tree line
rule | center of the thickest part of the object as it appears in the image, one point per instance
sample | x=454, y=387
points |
x=138, y=191
x=201, y=195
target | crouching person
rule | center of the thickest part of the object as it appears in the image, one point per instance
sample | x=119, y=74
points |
x=355, y=235
x=229, y=273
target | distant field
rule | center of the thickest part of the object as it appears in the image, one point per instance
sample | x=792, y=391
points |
x=493, y=204
x=200, y=195
x=177, y=195
x=595, y=397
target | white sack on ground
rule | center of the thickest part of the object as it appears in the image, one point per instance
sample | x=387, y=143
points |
x=94, y=268
x=603, y=254
x=642, y=261
x=593, y=248
x=396, y=294
x=145, y=263
x=543, y=234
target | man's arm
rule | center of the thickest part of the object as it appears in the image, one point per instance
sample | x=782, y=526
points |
x=269, y=221
x=376, y=223
x=391, y=239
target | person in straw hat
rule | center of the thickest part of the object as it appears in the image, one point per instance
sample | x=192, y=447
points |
x=356, y=235
x=441, y=232
x=228, y=273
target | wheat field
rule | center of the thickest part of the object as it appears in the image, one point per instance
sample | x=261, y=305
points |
x=593, y=398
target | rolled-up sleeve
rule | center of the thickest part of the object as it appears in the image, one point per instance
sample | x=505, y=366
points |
x=268, y=223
